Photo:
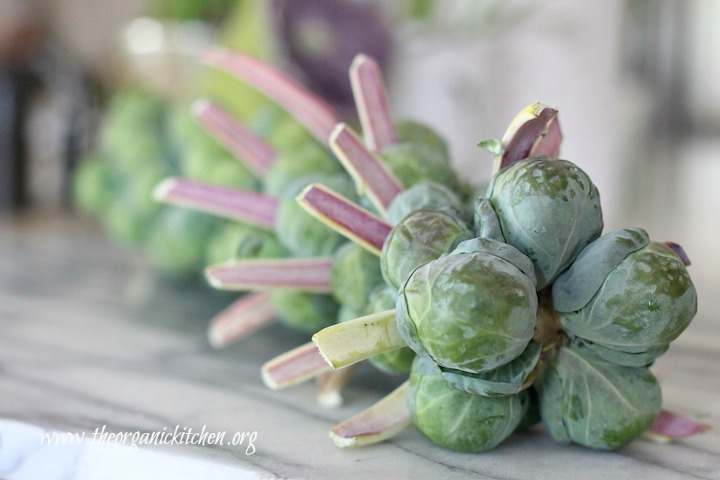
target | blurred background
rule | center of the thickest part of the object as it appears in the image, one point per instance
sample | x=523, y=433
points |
x=635, y=82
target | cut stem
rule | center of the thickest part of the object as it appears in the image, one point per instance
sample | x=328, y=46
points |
x=345, y=217
x=244, y=316
x=293, y=367
x=330, y=386
x=680, y=252
x=533, y=131
x=309, y=109
x=371, y=103
x=384, y=420
x=371, y=176
x=250, y=149
x=669, y=426
x=249, y=207
x=350, y=342
x=305, y=274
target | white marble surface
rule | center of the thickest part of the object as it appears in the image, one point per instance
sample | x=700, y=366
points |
x=88, y=339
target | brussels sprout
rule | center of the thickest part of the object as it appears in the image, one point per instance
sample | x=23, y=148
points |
x=427, y=195
x=355, y=272
x=394, y=362
x=298, y=231
x=643, y=303
x=549, y=210
x=408, y=131
x=286, y=134
x=507, y=379
x=422, y=236
x=306, y=312
x=412, y=163
x=229, y=172
x=485, y=220
x=93, y=185
x=237, y=241
x=303, y=160
x=176, y=245
x=459, y=420
x=590, y=401
x=468, y=311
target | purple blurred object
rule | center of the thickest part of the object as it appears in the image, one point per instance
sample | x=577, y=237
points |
x=321, y=38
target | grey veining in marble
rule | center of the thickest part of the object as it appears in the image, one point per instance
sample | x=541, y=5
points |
x=89, y=339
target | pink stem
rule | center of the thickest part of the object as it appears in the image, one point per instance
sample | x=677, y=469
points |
x=330, y=386
x=249, y=207
x=306, y=274
x=345, y=217
x=549, y=142
x=672, y=426
x=257, y=155
x=241, y=318
x=307, y=108
x=371, y=103
x=540, y=135
x=680, y=252
x=368, y=171
x=295, y=366
x=385, y=419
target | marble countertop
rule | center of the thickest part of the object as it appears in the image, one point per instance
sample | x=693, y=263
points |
x=90, y=340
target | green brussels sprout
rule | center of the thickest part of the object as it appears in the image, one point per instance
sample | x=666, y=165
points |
x=286, y=134
x=626, y=296
x=346, y=313
x=93, y=185
x=413, y=163
x=507, y=379
x=121, y=225
x=408, y=131
x=458, y=420
x=469, y=311
x=298, y=231
x=595, y=403
x=237, y=241
x=394, y=362
x=176, y=245
x=549, y=210
x=427, y=195
x=485, y=220
x=304, y=160
x=306, y=312
x=141, y=149
x=355, y=272
x=420, y=237
x=229, y=172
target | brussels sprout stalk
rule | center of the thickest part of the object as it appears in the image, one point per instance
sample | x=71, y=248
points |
x=310, y=110
x=293, y=367
x=250, y=207
x=371, y=103
x=330, y=385
x=370, y=174
x=355, y=340
x=241, y=318
x=383, y=420
x=250, y=149
x=304, y=274
x=345, y=217
x=534, y=131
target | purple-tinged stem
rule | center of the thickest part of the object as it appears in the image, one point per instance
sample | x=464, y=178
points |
x=370, y=174
x=669, y=426
x=330, y=386
x=533, y=131
x=384, y=420
x=293, y=367
x=680, y=252
x=248, y=207
x=371, y=103
x=343, y=216
x=305, y=274
x=250, y=149
x=241, y=318
x=309, y=109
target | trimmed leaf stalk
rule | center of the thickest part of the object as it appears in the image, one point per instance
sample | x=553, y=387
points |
x=371, y=103
x=309, y=109
x=305, y=274
x=240, y=319
x=250, y=149
x=330, y=385
x=294, y=367
x=670, y=426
